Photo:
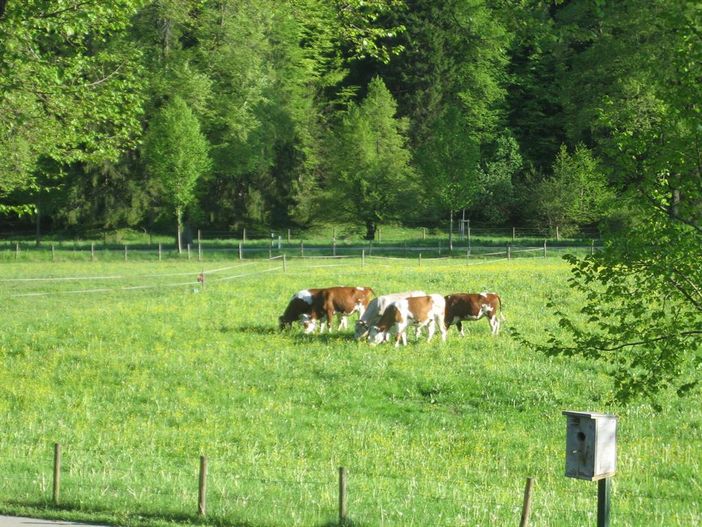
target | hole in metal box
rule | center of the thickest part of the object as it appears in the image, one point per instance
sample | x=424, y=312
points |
x=581, y=436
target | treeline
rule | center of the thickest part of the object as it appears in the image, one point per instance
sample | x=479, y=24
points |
x=144, y=114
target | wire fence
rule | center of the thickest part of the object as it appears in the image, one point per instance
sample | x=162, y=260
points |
x=211, y=273
x=19, y=252
x=181, y=489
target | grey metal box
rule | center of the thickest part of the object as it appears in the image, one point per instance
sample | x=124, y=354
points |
x=591, y=445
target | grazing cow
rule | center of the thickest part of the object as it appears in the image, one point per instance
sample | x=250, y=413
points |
x=473, y=306
x=312, y=305
x=422, y=310
x=376, y=308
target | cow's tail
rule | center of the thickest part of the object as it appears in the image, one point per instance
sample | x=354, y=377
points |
x=502, y=315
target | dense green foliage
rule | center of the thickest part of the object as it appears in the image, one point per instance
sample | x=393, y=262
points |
x=137, y=383
x=485, y=95
x=644, y=293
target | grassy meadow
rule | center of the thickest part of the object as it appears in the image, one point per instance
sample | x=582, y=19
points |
x=137, y=371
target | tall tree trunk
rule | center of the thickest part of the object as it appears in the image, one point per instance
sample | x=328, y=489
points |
x=179, y=217
x=37, y=220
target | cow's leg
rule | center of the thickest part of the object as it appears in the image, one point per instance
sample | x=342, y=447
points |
x=431, y=329
x=330, y=317
x=459, y=325
x=401, y=329
x=495, y=325
x=343, y=322
x=404, y=336
x=442, y=328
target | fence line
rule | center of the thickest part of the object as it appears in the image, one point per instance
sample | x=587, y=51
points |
x=349, y=251
x=76, y=481
x=457, y=262
x=140, y=287
x=117, y=277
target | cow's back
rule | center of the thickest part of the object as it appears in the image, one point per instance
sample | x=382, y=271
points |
x=377, y=307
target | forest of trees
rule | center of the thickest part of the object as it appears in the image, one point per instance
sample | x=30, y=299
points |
x=223, y=113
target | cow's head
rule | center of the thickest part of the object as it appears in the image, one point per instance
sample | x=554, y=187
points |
x=309, y=323
x=361, y=329
x=282, y=323
x=376, y=335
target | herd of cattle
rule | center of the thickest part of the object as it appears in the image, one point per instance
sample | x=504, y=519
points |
x=387, y=315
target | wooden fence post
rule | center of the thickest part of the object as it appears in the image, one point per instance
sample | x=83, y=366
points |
x=363, y=257
x=302, y=248
x=53, y=252
x=285, y=264
x=243, y=236
x=159, y=252
x=202, y=488
x=188, y=251
x=92, y=251
x=125, y=252
x=343, y=497
x=57, y=474
x=199, y=246
x=288, y=235
x=424, y=233
x=509, y=252
x=514, y=233
x=241, y=250
x=16, y=250
x=544, y=248
x=558, y=235
x=526, y=507
x=420, y=260
x=270, y=250
x=334, y=248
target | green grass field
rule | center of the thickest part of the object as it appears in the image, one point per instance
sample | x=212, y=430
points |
x=137, y=372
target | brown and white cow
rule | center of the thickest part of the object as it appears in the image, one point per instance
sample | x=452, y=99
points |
x=310, y=306
x=421, y=310
x=376, y=308
x=473, y=306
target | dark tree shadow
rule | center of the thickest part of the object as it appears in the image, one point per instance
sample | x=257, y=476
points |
x=68, y=514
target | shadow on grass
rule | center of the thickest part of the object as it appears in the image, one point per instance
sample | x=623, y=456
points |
x=324, y=338
x=92, y=515
x=258, y=330
x=345, y=523
x=70, y=513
